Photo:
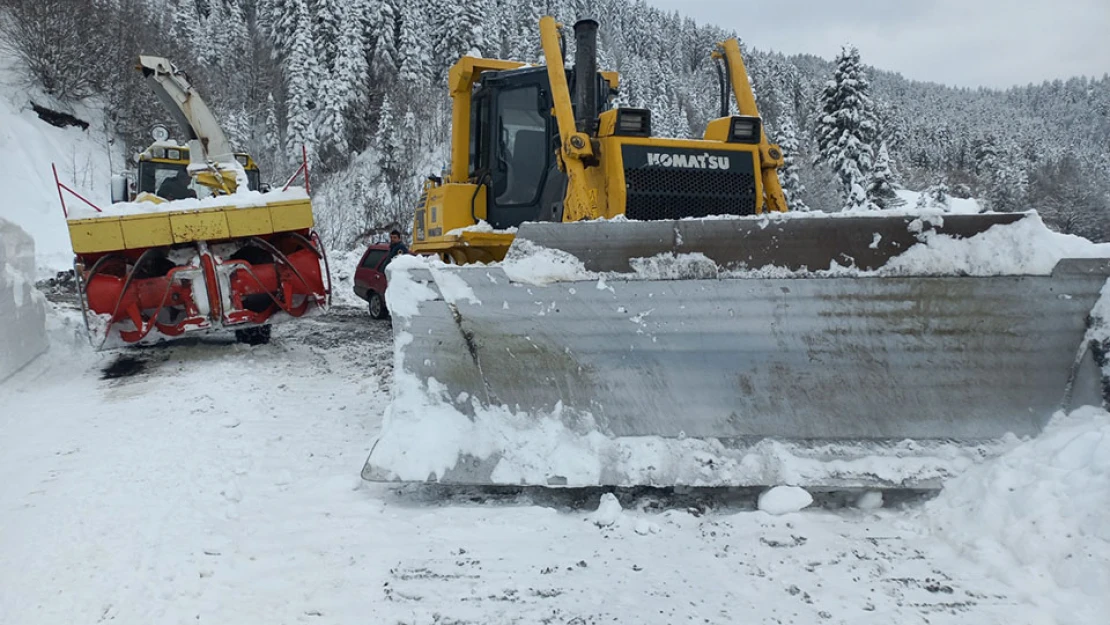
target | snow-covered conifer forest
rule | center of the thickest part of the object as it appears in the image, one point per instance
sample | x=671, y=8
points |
x=362, y=84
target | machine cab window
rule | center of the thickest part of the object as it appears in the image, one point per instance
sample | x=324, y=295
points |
x=522, y=147
x=170, y=181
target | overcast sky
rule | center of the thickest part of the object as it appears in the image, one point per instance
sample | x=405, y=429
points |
x=994, y=43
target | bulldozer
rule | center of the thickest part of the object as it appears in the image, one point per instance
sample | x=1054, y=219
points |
x=194, y=242
x=756, y=363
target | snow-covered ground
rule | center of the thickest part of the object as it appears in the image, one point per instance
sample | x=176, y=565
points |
x=213, y=482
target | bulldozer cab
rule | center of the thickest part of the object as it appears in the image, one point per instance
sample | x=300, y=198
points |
x=513, y=142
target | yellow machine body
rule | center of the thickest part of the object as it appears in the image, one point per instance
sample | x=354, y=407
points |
x=450, y=210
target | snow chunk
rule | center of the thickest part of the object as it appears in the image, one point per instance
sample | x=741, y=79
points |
x=533, y=264
x=405, y=291
x=870, y=500
x=784, y=499
x=608, y=511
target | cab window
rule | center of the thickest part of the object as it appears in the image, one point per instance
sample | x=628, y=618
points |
x=522, y=146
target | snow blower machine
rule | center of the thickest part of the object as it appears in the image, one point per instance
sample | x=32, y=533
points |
x=193, y=240
x=599, y=306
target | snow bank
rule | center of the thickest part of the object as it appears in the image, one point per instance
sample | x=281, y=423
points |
x=22, y=306
x=1040, y=516
x=28, y=146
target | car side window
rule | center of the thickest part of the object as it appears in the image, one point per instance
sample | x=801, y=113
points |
x=373, y=258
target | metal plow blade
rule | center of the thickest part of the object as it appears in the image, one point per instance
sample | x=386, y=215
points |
x=823, y=382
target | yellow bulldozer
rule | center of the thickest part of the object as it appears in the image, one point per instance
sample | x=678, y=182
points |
x=701, y=336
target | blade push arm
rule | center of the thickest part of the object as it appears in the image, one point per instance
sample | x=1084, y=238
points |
x=583, y=199
x=770, y=156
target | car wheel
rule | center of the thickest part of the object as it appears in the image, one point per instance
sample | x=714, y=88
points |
x=377, y=306
x=253, y=336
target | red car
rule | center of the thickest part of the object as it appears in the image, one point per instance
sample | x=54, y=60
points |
x=370, y=280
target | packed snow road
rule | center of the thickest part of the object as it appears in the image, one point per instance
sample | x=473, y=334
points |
x=209, y=482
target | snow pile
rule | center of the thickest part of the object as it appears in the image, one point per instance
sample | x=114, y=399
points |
x=1026, y=247
x=239, y=199
x=429, y=435
x=1040, y=516
x=784, y=499
x=22, y=307
x=343, y=265
x=482, y=227
x=693, y=266
x=533, y=264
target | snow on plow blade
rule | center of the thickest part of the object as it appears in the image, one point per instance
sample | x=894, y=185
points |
x=665, y=370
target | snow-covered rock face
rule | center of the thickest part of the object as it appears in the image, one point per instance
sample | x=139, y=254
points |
x=22, y=307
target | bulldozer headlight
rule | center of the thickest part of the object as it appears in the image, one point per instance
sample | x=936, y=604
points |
x=633, y=123
x=744, y=129
x=173, y=155
x=158, y=152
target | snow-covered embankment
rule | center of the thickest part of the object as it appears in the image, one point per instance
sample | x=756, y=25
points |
x=22, y=307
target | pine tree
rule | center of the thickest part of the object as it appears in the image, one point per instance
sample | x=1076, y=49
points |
x=271, y=134
x=847, y=127
x=789, y=174
x=326, y=20
x=382, y=39
x=883, y=182
x=187, y=27
x=936, y=196
x=386, y=143
x=301, y=74
x=416, y=58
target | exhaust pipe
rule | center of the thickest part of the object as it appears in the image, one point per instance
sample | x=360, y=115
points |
x=585, y=75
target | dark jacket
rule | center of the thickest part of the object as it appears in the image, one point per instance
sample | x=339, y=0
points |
x=397, y=248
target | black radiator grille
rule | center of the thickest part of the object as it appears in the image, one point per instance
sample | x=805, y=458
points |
x=664, y=182
x=656, y=193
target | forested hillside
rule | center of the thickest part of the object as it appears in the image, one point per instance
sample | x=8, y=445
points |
x=362, y=84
